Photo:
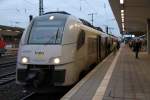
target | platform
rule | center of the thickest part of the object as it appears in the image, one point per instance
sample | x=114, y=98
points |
x=118, y=77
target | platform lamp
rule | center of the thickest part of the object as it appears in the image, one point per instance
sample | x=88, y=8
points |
x=121, y=1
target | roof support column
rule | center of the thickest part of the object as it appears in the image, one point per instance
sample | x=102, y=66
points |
x=148, y=36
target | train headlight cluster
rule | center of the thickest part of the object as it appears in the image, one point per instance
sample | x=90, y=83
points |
x=24, y=60
x=51, y=17
x=56, y=60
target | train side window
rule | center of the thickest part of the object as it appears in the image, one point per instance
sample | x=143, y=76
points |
x=81, y=39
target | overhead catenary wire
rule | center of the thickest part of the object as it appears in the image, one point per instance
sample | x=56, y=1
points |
x=32, y=7
x=94, y=11
x=71, y=6
x=31, y=3
x=92, y=7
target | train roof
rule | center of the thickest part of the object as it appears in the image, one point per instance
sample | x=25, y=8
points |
x=90, y=25
x=82, y=20
x=61, y=15
x=99, y=28
x=86, y=23
x=60, y=12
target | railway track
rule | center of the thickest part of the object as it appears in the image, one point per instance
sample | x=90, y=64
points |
x=7, y=64
x=7, y=78
x=29, y=96
x=3, y=58
x=38, y=96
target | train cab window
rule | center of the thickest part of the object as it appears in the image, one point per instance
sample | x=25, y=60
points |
x=81, y=39
x=44, y=31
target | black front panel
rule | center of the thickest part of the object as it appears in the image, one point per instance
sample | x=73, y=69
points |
x=59, y=76
x=41, y=75
x=21, y=75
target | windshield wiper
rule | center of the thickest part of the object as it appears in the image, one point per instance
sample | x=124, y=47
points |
x=57, y=34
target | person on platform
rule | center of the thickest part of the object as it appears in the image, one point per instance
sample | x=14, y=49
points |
x=114, y=47
x=136, y=48
x=118, y=45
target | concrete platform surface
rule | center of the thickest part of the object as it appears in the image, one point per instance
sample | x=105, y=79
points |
x=118, y=77
x=131, y=77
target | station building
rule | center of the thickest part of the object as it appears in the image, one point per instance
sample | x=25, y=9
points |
x=11, y=35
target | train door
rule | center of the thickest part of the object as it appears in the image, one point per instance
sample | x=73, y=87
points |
x=110, y=45
x=106, y=51
x=102, y=48
x=99, y=48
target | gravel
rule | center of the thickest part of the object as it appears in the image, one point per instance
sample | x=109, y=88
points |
x=12, y=91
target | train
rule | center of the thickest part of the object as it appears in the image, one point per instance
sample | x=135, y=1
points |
x=2, y=46
x=57, y=48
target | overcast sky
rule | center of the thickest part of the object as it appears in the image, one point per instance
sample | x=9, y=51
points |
x=16, y=12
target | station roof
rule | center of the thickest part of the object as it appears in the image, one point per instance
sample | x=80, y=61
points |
x=135, y=15
x=10, y=31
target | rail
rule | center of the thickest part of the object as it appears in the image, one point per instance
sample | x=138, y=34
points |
x=7, y=78
x=7, y=64
x=27, y=97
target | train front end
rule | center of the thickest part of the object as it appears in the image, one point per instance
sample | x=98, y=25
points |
x=40, y=52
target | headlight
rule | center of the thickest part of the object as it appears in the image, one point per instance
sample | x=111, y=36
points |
x=56, y=60
x=24, y=60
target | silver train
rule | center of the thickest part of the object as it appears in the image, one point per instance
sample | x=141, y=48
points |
x=57, y=48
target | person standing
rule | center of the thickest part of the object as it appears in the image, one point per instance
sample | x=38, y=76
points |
x=136, y=49
x=114, y=47
x=118, y=45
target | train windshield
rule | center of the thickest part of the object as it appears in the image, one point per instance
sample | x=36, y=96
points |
x=46, y=31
